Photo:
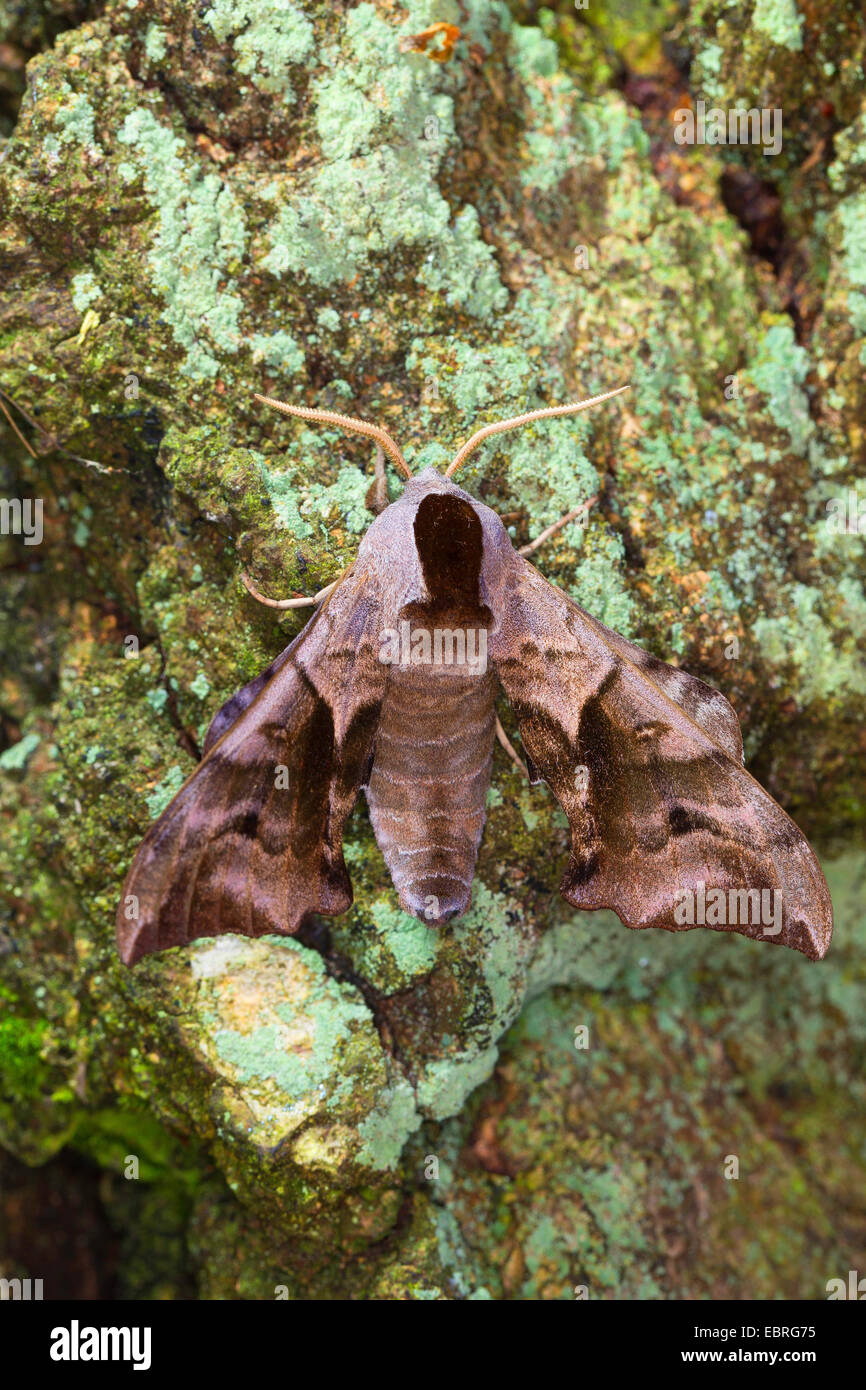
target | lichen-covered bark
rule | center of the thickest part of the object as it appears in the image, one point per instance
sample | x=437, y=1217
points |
x=199, y=204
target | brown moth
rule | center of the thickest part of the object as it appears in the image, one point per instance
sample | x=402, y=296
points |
x=667, y=827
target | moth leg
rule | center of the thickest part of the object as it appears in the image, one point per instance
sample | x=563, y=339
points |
x=377, y=493
x=510, y=750
x=47, y=441
x=16, y=429
x=557, y=526
x=288, y=602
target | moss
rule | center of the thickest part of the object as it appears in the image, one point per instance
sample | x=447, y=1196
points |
x=198, y=206
x=21, y=1054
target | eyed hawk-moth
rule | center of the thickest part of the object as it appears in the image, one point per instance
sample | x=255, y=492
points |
x=645, y=760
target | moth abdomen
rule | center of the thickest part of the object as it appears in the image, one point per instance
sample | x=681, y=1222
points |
x=427, y=789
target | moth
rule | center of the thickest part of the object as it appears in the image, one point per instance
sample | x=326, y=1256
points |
x=667, y=827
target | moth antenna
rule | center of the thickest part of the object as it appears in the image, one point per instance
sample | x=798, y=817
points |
x=287, y=602
x=343, y=422
x=547, y=413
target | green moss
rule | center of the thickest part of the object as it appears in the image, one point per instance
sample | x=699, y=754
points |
x=21, y=1061
x=111, y=1137
x=285, y=200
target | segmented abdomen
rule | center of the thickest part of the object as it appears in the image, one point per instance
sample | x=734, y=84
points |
x=427, y=789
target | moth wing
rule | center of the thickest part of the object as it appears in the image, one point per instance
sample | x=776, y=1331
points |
x=648, y=770
x=252, y=843
x=243, y=698
x=706, y=706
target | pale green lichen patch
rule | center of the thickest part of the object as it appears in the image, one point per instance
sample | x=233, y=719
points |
x=781, y=21
x=300, y=1046
x=85, y=290
x=385, y=1130
x=412, y=944
x=201, y=236
x=779, y=369
x=269, y=38
x=154, y=43
x=200, y=686
x=492, y=933
x=852, y=216
x=167, y=788
x=826, y=666
x=16, y=757
x=279, y=350
x=74, y=118
x=376, y=190
x=306, y=506
x=445, y=1085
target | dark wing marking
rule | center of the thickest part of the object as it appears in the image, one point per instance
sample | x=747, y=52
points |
x=237, y=703
x=243, y=848
x=648, y=772
x=703, y=704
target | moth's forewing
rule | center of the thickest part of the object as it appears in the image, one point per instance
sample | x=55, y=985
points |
x=646, y=763
x=252, y=843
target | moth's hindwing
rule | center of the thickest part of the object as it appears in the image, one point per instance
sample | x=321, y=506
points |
x=668, y=828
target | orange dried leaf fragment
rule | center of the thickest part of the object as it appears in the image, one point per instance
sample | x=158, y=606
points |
x=418, y=43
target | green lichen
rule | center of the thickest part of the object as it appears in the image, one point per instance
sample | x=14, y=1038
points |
x=154, y=43
x=16, y=757
x=411, y=943
x=201, y=234
x=851, y=216
x=781, y=21
x=85, y=290
x=200, y=686
x=778, y=369
x=376, y=189
x=268, y=39
x=443, y=1089
x=289, y=202
x=165, y=790
x=75, y=119
x=385, y=1130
